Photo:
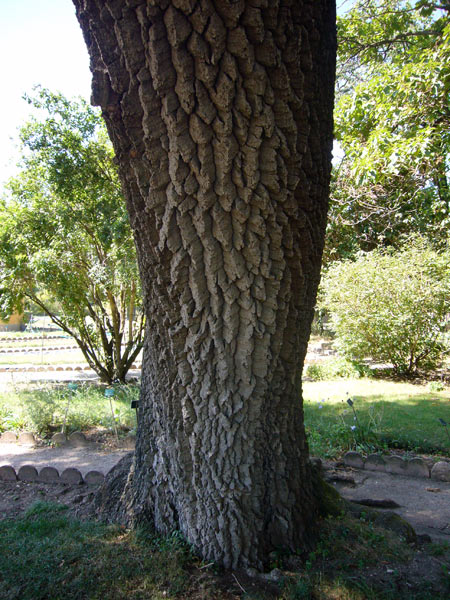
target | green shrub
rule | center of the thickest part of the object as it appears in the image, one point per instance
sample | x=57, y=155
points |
x=337, y=368
x=391, y=306
x=436, y=386
x=315, y=372
x=11, y=420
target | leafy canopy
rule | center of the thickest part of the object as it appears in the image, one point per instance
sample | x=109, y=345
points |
x=392, y=121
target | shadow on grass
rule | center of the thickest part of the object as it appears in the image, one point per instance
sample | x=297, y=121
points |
x=46, y=555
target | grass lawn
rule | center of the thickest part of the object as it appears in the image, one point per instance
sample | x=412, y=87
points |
x=402, y=415
x=45, y=554
x=41, y=409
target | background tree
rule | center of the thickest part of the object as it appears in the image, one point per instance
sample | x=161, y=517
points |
x=221, y=118
x=391, y=306
x=392, y=121
x=65, y=236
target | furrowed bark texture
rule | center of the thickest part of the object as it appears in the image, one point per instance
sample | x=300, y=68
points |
x=221, y=117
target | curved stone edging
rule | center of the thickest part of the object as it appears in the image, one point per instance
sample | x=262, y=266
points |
x=35, y=349
x=31, y=338
x=69, y=476
x=414, y=467
x=58, y=368
x=47, y=474
x=24, y=437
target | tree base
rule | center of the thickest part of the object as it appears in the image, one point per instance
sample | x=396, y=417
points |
x=112, y=502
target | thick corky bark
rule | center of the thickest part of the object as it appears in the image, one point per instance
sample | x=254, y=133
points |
x=221, y=117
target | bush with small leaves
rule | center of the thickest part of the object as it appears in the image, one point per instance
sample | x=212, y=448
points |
x=391, y=306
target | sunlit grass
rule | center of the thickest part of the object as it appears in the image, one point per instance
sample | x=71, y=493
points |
x=42, y=409
x=406, y=415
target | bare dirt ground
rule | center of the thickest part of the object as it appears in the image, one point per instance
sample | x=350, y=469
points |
x=89, y=458
x=424, y=503
x=17, y=496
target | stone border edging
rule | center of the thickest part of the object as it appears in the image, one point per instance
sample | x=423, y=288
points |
x=59, y=368
x=31, y=338
x=69, y=476
x=47, y=474
x=35, y=349
x=396, y=465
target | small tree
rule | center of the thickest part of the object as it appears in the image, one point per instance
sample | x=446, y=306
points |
x=391, y=306
x=65, y=236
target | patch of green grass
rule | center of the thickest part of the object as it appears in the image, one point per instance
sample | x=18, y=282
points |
x=404, y=415
x=46, y=555
x=42, y=409
x=439, y=548
x=350, y=562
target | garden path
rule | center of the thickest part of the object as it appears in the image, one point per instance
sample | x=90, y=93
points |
x=91, y=457
x=425, y=503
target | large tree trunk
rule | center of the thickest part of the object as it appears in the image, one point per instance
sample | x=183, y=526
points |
x=221, y=117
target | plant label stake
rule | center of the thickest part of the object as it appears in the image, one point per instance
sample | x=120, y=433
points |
x=445, y=424
x=109, y=393
x=135, y=405
x=72, y=387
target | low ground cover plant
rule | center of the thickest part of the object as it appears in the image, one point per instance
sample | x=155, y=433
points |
x=335, y=368
x=42, y=410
